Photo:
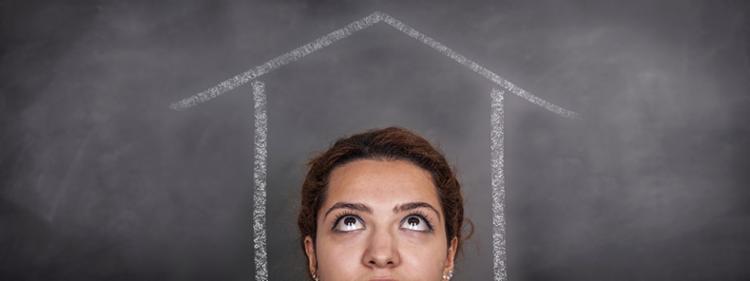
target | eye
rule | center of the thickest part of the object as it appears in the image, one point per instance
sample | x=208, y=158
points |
x=416, y=223
x=348, y=223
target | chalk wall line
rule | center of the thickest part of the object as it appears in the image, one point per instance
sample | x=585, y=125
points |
x=497, y=162
x=259, y=180
x=345, y=32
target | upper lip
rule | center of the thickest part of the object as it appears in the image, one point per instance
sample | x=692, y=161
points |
x=382, y=279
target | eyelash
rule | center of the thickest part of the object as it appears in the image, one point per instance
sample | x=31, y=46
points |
x=343, y=215
x=415, y=213
x=421, y=215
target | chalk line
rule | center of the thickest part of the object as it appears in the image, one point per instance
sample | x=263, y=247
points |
x=277, y=62
x=259, y=177
x=497, y=138
x=345, y=32
x=486, y=73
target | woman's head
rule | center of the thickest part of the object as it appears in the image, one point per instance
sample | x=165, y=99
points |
x=381, y=204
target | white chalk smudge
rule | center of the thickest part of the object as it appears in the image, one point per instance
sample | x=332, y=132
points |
x=259, y=179
x=65, y=181
x=345, y=32
x=497, y=138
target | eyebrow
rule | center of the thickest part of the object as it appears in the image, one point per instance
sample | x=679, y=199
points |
x=364, y=208
x=351, y=206
x=415, y=205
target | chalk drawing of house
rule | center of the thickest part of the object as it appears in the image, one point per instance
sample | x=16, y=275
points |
x=259, y=175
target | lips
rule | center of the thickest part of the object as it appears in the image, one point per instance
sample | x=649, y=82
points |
x=383, y=278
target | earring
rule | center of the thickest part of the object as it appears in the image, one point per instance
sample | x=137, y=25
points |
x=448, y=275
x=315, y=277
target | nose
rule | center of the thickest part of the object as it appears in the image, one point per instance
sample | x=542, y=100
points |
x=382, y=251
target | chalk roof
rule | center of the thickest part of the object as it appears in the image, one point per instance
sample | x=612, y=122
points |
x=346, y=31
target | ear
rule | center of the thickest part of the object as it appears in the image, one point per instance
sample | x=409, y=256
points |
x=312, y=262
x=449, y=261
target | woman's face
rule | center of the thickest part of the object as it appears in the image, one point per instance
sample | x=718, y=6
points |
x=381, y=220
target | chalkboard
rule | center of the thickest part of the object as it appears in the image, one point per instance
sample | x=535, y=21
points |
x=168, y=141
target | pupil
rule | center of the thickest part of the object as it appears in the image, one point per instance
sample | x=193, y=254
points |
x=350, y=221
x=413, y=221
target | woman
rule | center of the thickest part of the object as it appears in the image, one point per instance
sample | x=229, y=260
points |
x=381, y=205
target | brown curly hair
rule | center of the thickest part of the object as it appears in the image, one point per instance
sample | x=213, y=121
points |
x=391, y=143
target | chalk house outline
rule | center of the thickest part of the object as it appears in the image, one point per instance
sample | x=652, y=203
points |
x=261, y=122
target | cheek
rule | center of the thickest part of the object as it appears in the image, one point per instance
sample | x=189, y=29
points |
x=339, y=257
x=424, y=260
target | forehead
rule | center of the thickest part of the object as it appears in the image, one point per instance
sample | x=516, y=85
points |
x=381, y=182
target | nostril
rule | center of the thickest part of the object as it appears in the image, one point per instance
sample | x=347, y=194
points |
x=383, y=262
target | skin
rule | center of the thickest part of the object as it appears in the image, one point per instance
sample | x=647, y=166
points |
x=382, y=207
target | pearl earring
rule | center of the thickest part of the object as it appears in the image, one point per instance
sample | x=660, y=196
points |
x=315, y=277
x=448, y=275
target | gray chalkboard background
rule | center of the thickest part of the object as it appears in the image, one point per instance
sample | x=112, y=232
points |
x=101, y=180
